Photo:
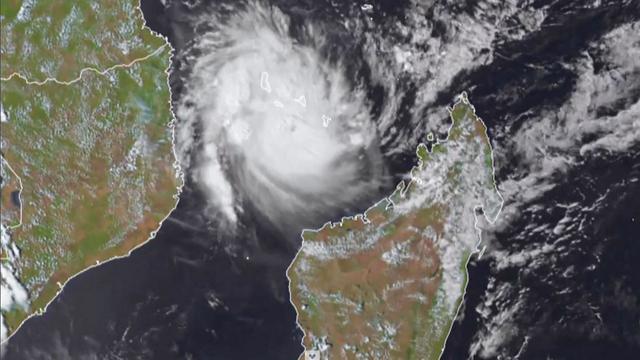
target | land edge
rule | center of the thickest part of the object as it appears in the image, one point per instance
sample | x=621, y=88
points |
x=176, y=164
x=9, y=227
x=461, y=98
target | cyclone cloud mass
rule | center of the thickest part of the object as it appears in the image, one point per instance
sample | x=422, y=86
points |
x=292, y=113
x=271, y=117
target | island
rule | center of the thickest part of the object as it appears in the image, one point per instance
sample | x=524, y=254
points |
x=387, y=284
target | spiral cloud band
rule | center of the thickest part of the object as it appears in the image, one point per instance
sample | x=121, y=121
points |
x=267, y=120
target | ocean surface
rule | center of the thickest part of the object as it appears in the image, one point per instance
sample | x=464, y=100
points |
x=559, y=89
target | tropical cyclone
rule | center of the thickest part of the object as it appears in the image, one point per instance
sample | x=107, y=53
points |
x=387, y=284
x=265, y=116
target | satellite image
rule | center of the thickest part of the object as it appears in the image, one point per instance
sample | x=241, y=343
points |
x=319, y=179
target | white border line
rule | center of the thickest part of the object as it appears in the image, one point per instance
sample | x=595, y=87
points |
x=2, y=158
x=82, y=71
x=176, y=164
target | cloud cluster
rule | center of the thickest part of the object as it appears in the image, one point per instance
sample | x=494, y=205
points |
x=266, y=119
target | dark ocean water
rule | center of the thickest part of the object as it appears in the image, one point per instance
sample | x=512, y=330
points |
x=580, y=299
x=180, y=295
x=537, y=293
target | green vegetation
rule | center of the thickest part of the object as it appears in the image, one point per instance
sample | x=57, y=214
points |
x=56, y=39
x=95, y=155
x=488, y=158
x=391, y=266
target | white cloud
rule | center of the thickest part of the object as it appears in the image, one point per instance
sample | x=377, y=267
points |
x=12, y=293
x=263, y=103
